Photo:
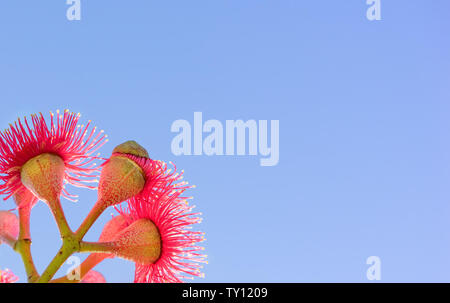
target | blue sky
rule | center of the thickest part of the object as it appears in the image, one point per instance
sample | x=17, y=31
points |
x=363, y=108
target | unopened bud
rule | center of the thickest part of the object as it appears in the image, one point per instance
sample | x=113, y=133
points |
x=9, y=226
x=121, y=177
x=132, y=148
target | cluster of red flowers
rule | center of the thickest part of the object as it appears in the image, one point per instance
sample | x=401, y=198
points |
x=151, y=189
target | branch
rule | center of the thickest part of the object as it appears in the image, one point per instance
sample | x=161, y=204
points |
x=97, y=247
x=70, y=245
x=23, y=244
x=93, y=215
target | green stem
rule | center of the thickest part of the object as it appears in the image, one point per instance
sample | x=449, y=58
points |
x=97, y=247
x=23, y=244
x=60, y=218
x=23, y=247
x=93, y=215
x=71, y=241
x=100, y=251
x=70, y=245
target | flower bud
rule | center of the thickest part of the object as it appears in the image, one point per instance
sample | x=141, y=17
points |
x=9, y=226
x=131, y=148
x=139, y=242
x=121, y=177
x=93, y=277
x=43, y=175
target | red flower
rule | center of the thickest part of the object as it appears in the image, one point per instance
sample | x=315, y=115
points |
x=180, y=255
x=7, y=277
x=74, y=144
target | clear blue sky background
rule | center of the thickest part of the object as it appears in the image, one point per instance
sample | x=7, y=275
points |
x=363, y=107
